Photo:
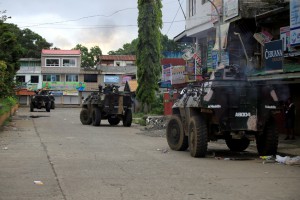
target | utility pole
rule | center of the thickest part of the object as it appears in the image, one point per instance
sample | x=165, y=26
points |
x=219, y=27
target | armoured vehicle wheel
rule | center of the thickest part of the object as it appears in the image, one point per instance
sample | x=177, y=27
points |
x=175, y=136
x=237, y=144
x=197, y=136
x=127, y=118
x=48, y=107
x=84, y=117
x=96, y=117
x=113, y=121
x=31, y=107
x=267, y=142
x=52, y=105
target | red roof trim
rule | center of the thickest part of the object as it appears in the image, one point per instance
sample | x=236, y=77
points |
x=61, y=52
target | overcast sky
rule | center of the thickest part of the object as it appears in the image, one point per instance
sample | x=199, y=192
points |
x=106, y=23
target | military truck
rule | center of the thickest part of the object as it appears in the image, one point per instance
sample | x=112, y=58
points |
x=42, y=99
x=226, y=106
x=107, y=103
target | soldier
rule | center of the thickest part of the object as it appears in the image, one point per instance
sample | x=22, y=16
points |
x=290, y=115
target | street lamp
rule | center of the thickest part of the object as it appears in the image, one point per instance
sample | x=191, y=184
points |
x=219, y=27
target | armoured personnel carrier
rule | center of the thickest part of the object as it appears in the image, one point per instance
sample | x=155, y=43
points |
x=108, y=103
x=226, y=106
x=42, y=99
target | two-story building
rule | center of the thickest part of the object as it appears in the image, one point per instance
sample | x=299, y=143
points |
x=60, y=71
x=28, y=78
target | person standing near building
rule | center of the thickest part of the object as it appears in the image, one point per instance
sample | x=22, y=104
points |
x=290, y=115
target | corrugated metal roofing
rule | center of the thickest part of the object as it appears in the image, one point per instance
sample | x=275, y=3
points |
x=60, y=52
x=118, y=57
x=118, y=69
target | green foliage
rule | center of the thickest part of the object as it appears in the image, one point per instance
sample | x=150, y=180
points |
x=157, y=107
x=32, y=44
x=7, y=103
x=15, y=44
x=10, y=53
x=169, y=45
x=89, y=58
x=148, y=50
x=128, y=49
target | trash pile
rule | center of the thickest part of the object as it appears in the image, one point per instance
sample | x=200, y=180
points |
x=287, y=160
x=155, y=126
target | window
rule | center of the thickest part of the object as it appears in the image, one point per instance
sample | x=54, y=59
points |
x=20, y=79
x=90, y=78
x=71, y=78
x=34, y=79
x=192, y=7
x=51, y=77
x=118, y=63
x=52, y=62
x=69, y=62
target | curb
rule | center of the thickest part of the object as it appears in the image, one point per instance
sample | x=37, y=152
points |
x=6, y=115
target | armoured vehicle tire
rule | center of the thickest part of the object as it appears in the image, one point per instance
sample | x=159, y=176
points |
x=175, y=135
x=113, y=121
x=84, y=117
x=52, y=105
x=237, y=144
x=197, y=136
x=267, y=142
x=127, y=118
x=96, y=117
x=48, y=107
x=31, y=107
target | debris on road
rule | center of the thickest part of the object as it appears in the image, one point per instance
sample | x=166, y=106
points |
x=38, y=182
x=288, y=160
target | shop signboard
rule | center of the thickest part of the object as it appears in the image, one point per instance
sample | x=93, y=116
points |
x=126, y=79
x=285, y=37
x=64, y=86
x=273, y=55
x=111, y=79
x=295, y=22
x=32, y=86
x=231, y=9
x=70, y=93
x=178, y=74
x=167, y=73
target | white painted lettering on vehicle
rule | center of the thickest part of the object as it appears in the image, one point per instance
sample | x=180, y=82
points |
x=214, y=106
x=270, y=106
x=242, y=114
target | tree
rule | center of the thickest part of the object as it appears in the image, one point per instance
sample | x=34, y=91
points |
x=10, y=53
x=32, y=43
x=148, y=50
x=169, y=45
x=128, y=49
x=89, y=58
x=95, y=54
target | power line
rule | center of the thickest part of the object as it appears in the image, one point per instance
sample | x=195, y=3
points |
x=100, y=26
x=78, y=19
x=173, y=20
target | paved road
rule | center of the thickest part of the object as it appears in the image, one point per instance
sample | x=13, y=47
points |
x=77, y=162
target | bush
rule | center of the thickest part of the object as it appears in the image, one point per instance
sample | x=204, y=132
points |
x=157, y=108
x=6, y=104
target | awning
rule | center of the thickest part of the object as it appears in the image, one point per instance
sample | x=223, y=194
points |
x=293, y=77
x=182, y=37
